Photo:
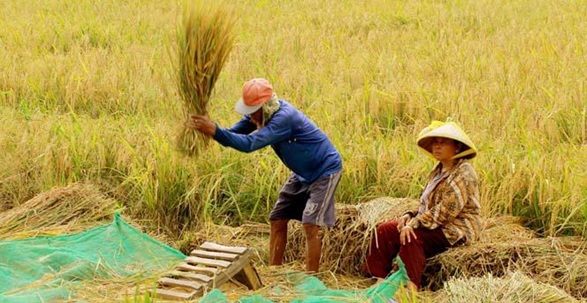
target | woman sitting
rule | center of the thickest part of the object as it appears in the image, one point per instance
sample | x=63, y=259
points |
x=449, y=211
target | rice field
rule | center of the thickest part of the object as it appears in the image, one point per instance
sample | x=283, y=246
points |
x=88, y=93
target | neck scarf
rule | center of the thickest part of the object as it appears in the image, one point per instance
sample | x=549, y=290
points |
x=269, y=108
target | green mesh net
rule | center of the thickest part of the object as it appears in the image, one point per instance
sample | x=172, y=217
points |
x=309, y=289
x=40, y=269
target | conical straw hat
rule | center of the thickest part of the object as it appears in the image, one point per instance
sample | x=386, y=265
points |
x=449, y=130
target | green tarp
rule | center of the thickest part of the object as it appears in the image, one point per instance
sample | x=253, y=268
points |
x=309, y=289
x=40, y=269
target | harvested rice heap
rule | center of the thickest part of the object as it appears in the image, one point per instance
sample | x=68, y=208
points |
x=512, y=287
x=57, y=211
x=505, y=246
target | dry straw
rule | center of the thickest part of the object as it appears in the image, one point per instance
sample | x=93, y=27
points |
x=205, y=38
x=514, y=287
x=558, y=262
x=57, y=211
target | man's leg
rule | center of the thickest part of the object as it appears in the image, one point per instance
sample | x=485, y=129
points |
x=288, y=206
x=319, y=211
x=313, y=247
x=277, y=241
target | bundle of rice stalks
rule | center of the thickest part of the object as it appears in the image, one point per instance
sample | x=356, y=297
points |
x=60, y=210
x=505, y=229
x=345, y=245
x=556, y=261
x=205, y=39
x=511, y=288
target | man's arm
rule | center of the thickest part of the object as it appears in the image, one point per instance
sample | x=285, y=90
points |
x=244, y=126
x=204, y=125
x=274, y=132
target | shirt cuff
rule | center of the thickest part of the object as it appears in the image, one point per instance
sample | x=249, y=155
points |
x=220, y=135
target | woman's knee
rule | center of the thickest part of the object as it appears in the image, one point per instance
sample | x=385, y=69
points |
x=388, y=231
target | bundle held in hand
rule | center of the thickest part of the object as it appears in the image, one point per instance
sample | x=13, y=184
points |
x=205, y=39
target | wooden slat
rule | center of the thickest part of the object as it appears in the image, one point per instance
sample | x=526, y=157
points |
x=222, y=248
x=205, y=261
x=191, y=276
x=180, y=283
x=234, y=268
x=249, y=276
x=168, y=294
x=197, y=269
x=214, y=255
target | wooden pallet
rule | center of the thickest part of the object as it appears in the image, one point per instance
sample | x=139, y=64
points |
x=208, y=266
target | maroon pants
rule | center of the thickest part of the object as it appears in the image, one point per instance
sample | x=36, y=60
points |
x=386, y=246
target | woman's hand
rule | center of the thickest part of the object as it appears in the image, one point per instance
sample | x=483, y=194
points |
x=402, y=221
x=406, y=235
x=203, y=124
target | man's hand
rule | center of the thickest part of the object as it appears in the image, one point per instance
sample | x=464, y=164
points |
x=402, y=221
x=203, y=124
x=406, y=235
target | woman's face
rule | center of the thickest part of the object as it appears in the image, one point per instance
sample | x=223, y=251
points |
x=443, y=148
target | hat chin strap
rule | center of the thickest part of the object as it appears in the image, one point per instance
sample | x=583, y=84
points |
x=465, y=153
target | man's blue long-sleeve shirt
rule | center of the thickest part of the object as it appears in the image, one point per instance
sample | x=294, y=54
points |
x=297, y=141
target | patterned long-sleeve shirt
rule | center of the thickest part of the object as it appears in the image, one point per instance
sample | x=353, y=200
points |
x=451, y=202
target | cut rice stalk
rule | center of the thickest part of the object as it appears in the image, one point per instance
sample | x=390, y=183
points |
x=205, y=39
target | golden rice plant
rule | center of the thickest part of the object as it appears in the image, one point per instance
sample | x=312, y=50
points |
x=205, y=38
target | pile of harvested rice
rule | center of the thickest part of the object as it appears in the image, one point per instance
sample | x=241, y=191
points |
x=345, y=245
x=57, y=211
x=556, y=261
x=514, y=287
